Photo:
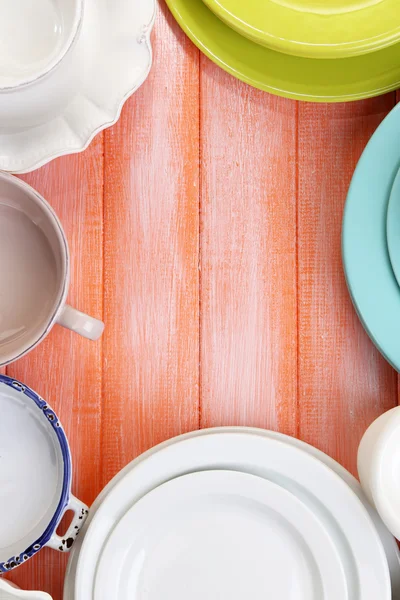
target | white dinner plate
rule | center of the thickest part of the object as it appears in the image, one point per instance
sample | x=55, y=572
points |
x=69, y=107
x=220, y=534
x=299, y=472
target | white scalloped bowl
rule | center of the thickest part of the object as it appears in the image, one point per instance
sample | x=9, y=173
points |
x=62, y=113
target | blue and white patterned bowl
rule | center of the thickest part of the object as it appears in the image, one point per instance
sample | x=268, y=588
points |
x=35, y=477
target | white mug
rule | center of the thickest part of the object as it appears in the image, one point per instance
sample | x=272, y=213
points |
x=378, y=465
x=34, y=273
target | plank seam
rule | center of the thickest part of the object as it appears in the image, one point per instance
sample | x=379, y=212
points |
x=297, y=194
x=200, y=247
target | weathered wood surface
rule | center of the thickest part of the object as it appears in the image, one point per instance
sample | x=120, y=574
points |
x=205, y=228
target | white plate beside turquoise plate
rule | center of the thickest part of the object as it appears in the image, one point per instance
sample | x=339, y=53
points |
x=369, y=273
x=391, y=549
x=300, y=473
x=393, y=227
x=220, y=534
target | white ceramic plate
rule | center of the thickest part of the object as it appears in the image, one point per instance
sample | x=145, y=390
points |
x=8, y=591
x=392, y=551
x=299, y=472
x=111, y=60
x=220, y=534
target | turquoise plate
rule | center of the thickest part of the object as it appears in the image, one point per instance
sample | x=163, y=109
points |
x=370, y=278
x=393, y=227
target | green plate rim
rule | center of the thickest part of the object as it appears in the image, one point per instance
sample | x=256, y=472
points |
x=173, y=6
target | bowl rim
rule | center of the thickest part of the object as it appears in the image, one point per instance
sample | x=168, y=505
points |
x=58, y=59
x=53, y=421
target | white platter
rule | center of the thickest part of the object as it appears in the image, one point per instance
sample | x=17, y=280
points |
x=298, y=471
x=220, y=534
x=68, y=108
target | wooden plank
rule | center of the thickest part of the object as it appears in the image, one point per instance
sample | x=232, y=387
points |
x=151, y=343
x=66, y=369
x=248, y=255
x=344, y=383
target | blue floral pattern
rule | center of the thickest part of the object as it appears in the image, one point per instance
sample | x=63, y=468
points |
x=53, y=421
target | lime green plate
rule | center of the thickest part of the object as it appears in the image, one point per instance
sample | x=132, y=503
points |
x=314, y=28
x=369, y=273
x=316, y=80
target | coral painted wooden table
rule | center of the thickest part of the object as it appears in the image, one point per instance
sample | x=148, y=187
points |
x=205, y=230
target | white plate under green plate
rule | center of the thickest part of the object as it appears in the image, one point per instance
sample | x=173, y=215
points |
x=313, y=79
x=393, y=227
x=370, y=278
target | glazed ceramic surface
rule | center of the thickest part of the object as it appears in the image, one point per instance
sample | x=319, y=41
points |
x=8, y=591
x=316, y=80
x=220, y=534
x=370, y=278
x=314, y=28
x=317, y=486
x=392, y=552
x=393, y=227
x=379, y=467
x=34, y=270
x=35, y=477
x=32, y=46
x=62, y=112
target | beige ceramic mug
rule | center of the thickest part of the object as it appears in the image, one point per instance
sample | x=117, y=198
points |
x=34, y=273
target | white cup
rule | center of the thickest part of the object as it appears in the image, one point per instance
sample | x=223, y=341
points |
x=34, y=273
x=35, y=37
x=378, y=465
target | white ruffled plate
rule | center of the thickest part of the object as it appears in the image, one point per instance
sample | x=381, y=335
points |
x=111, y=60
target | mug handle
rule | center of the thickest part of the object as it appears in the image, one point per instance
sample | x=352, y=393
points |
x=77, y=321
x=65, y=543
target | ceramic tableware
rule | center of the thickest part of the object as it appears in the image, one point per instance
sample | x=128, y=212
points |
x=316, y=80
x=379, y=467
x=35, y=477
x=317, y=486
x=33, y=46
x=391, y=549
x=34, y=271
x=316, y=28
x=214, y=534
x=369, y=274
x=393, y=227
x=62, y=112
x=9, y=591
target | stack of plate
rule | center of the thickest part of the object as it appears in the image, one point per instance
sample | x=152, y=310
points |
x=233, y=513
x=56, y=94
x=371, y=248
x=317, y=50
